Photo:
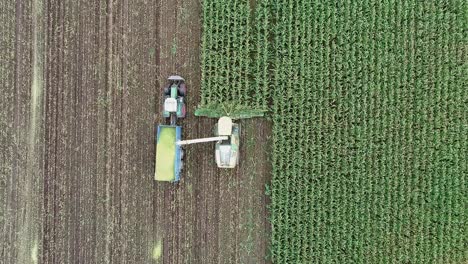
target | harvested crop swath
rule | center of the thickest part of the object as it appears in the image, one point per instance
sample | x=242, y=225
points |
x=369, y=132
x=231, y=50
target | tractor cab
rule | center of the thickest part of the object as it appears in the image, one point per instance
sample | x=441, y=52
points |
x=174, y=99
x=170, y=105
x=227, y=150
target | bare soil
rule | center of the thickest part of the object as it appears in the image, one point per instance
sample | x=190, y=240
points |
x=81, y=98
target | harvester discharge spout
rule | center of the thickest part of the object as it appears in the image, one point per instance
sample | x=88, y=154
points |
x=201, y=140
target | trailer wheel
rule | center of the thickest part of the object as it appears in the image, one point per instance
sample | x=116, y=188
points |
x=181, y=166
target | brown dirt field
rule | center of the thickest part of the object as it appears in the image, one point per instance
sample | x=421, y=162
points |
x=80, y=102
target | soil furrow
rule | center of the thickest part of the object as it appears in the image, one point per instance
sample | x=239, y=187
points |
x=104, y=66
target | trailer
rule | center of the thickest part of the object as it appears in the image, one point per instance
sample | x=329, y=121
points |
x=168, y=154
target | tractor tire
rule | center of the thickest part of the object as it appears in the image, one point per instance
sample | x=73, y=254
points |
x=182, y=89
x=184, y=111
x=167, y=91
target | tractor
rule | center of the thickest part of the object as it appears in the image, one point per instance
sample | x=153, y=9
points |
x=174, y=99
x=169, y=155
x=169, y=152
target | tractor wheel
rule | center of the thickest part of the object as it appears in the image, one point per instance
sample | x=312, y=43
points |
x=184, y=111
x=167, y=90
x=182, y=89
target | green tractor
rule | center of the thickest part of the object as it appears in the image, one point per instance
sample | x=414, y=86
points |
x=169, y=152
x=169, y=155
x=174, y=99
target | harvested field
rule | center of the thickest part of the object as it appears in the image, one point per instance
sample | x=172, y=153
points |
x=81, y=88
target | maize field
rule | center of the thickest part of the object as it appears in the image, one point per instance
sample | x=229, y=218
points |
x=369, y=110
x=363, y=148
x=232, y=50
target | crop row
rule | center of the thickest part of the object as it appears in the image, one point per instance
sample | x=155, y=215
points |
x=232, y=50
x=369, y=132
x=369, y=105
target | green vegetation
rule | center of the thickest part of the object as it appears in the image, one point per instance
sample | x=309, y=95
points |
x=370, y=136
x=158, y=250
x=165, y=154
x=228, y=48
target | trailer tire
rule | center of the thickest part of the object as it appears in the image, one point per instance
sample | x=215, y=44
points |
x=181, y=167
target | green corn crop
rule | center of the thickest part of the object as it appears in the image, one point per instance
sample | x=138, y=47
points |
x=369, y=105
x=369, y=132
x=230, y=51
